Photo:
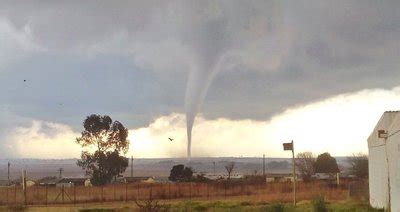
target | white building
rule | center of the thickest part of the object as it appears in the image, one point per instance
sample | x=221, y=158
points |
x=384, y=162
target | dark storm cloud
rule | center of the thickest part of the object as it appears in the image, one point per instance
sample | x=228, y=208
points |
x=131, y=59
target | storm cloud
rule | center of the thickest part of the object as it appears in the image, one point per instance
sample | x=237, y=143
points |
x=132, y=60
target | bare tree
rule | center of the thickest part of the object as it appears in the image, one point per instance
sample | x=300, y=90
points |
x=229, y=168
x=305, y=162
x=359, y=165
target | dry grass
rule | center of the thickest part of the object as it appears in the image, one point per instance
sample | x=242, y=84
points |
x=275, y=192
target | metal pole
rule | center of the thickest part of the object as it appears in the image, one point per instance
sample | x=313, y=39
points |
x=7, y=194
x=294, y=176
x=8, y=172
x=126, y=192
x=47, y=191
x=132, y=166
x=263, y=164
x=62, y=193
x=102, y=193
x=24, y=186
x=15, y=193
x=60, y=172
x=214, y=167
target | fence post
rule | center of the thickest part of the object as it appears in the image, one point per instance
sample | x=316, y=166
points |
x=74, y=194
x=7, y=193
x=151, y=192
x=114, y=185
x=138, y=187
x=15, y=194
x=190, y=190
x=126, y=192
x=46, y=194
x=216, y=189
x=102, y=193
x=208, y=192
x=169, y=190
x=90, y=192
x=225, y=187
x=62, y=194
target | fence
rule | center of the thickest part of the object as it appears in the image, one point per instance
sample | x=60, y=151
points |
x=125, y=192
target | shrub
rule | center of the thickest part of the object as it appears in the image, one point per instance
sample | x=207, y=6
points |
x=16, y=208
x=245, y=203
x=319, y=204
x=278, y=207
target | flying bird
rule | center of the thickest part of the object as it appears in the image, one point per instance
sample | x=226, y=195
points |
x=24, y=80
x=170, y=139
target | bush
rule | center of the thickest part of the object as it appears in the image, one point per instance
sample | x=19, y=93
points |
x=16, y=208
x=278, y=207
x=245, y=203
x=319, y=204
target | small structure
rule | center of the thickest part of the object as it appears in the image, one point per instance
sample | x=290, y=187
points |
x=71, y=182
x=6, y=183
x=149, y=180
x=384, y=163
x=133, y=179
x=324, y=176
x=279, y=177
x=50, y=181
x=223, y=176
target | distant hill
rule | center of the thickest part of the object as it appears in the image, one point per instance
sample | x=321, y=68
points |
x=38, y=168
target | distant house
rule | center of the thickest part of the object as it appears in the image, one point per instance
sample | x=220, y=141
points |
x=66, y=182
x=48, y=181
x=323, y=176
x=223, y=176
x=384, y=163
x=5, y=183
x=279, y=177
x=145, y=180
x=71, y=182
x=134, y=179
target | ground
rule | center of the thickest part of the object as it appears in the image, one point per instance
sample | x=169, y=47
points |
x=231, y=204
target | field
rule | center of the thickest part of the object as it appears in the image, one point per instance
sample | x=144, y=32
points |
x=187, y=195
x=230, y=204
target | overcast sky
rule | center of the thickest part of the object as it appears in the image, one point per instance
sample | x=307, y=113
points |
x=271, y=71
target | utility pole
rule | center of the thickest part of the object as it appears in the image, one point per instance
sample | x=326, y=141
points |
x=286, y=147
x=263, y=164
x=214, y=167
x=132, y=166
x=24, y=186
x=60, y=170
x=8, y=172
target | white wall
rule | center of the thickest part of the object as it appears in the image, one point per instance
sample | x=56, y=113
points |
x=393, y=148
x=378, y=180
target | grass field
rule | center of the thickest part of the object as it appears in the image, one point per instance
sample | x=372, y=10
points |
x=274, y=192
x=205, y=205
x=192, y=197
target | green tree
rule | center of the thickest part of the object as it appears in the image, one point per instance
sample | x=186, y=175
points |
x=359, y=165
x=109, y=139
x=180, y=173
x=325, y=163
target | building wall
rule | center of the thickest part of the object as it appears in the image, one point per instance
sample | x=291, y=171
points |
x=393, y=148
x=384, y=163
x=378, y=178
